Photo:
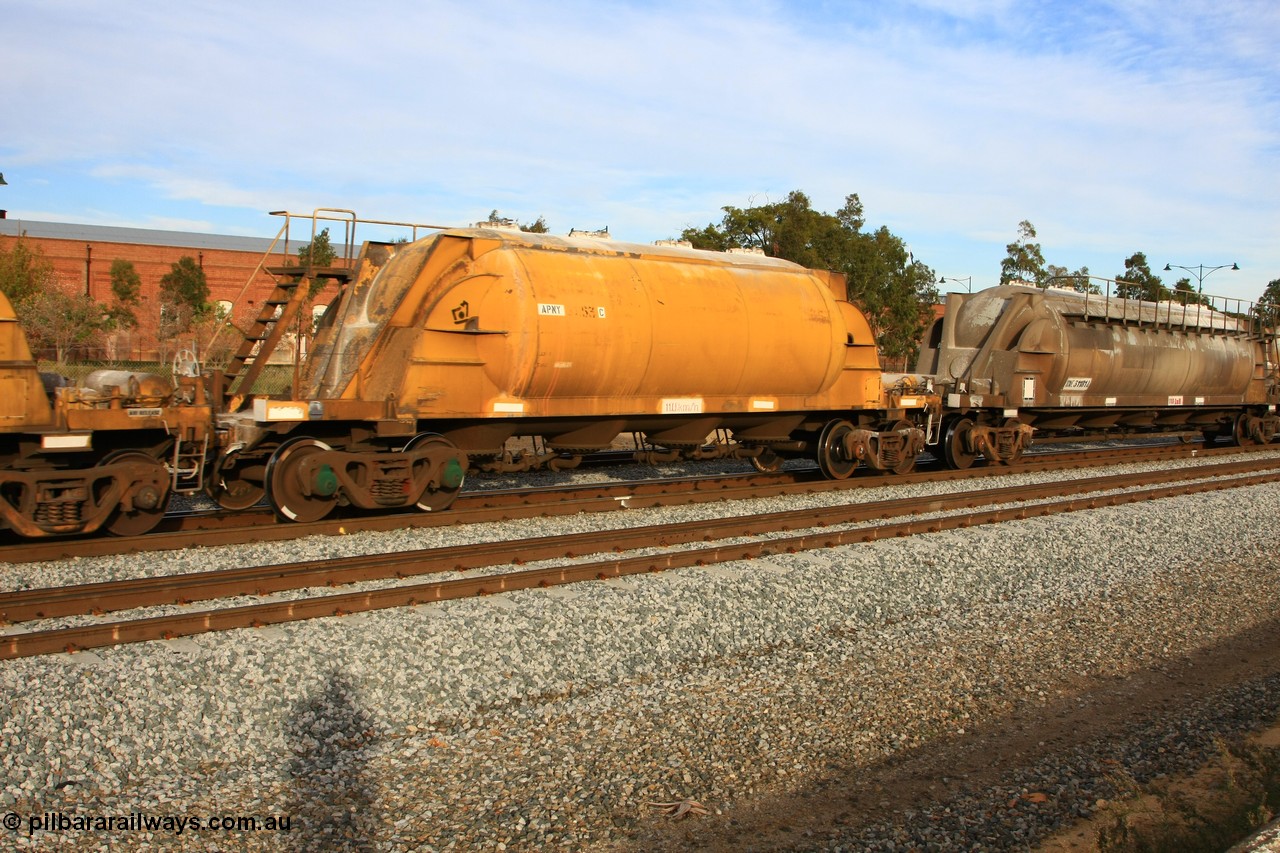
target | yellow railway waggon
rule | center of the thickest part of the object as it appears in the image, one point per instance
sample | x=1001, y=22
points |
x=440, y=352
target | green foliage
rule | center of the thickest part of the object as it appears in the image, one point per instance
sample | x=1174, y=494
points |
x=126, y=288
x=184, y=298
x=538, y=226
x=126, y=284
x=1268, y=307
x=185, y=285
x=24, y=272
x=789, y=229
x=318, y=253
x=1185, y=294
x=61, y=321
x=53, y=319
x=1079, y=280
x=1024, y=261
x=894, y=290
x=1139, y=282
x=710, y=238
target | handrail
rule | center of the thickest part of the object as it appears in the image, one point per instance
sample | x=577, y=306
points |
x=350, y=221
x=1214, y=313
x=226, y=321
x=321, y=214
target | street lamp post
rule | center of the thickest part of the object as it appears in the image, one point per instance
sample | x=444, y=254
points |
x=1200, y=271
x=968, y=282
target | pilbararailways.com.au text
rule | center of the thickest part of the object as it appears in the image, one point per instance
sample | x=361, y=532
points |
x=142, y=822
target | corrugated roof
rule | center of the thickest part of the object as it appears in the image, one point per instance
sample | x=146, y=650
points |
x=139, y=236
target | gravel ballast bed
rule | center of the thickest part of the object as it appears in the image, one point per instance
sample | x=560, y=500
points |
x=20, y=576
x=552, y=717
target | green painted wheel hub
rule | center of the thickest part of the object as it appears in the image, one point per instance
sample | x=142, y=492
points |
x=325, y=482
x=452, y=475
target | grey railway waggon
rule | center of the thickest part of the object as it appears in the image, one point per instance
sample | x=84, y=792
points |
x=1015, y=359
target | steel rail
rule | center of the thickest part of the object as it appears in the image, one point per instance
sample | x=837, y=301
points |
x=502, y=505
x=108, y=596
x=165, y=627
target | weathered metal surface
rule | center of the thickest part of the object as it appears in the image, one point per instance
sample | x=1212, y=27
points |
x=258, y=524
x=1061, y=361
x=1028, y=348
x=499, y=324
x=23, y=403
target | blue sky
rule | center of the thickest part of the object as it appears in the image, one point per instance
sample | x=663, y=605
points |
x=1148, y=126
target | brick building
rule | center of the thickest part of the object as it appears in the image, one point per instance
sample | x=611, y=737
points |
x=82, y=256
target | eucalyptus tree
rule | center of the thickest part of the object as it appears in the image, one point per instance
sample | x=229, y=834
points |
x=1024, y=261
x=1139, y=282
x=894, y=290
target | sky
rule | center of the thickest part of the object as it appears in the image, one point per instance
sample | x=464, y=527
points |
x=1146, y=126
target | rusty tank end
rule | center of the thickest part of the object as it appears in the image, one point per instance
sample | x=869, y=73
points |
x=23, y=402
x=1014, y=358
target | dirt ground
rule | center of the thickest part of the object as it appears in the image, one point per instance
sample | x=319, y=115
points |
x=1202, y=789
x=933, y=775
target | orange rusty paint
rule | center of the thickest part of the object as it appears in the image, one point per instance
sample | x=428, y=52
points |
x=23, y=403
x=501, y=324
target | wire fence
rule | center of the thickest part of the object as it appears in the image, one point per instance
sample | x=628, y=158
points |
x=276, y=379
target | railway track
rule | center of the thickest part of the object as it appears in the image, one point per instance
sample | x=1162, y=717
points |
x=195, y=529
x=825, y=527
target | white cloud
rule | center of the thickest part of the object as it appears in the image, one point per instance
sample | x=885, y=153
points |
x=1108, y=125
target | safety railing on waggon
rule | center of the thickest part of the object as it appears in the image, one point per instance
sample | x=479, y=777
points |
x=1095, y=298
x=347, y=251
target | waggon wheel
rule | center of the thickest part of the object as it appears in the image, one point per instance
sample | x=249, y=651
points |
x=955, y=444
x=907, y=463
x=831, y=458
x=289, y=494
x=231, y=488
x=149, y=502
x=442, y=498
x=767, y=462
x=1241, y=433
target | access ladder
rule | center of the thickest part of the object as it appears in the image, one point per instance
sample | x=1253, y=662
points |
x=279, y=311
